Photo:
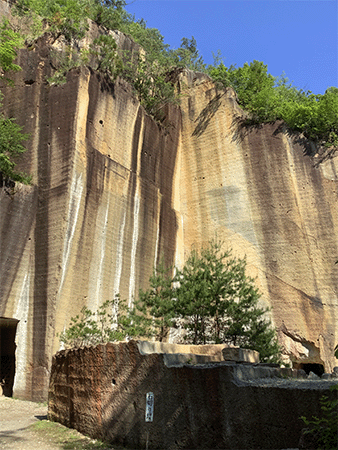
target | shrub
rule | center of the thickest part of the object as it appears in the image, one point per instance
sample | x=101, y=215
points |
x=325, y=428
x=113, y=321
x=108, y=61
x=11, y=136
x=269, y=98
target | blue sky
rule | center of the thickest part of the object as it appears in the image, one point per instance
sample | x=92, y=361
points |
x=299, y=37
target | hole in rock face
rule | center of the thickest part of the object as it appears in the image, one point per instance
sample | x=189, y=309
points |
x=318, y=369
x=6, y=182
x=7, y=355
x=113, y=381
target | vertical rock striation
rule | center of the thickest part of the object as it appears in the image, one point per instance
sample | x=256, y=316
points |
x=99, y=214
x=113, y=191
x=260, y=192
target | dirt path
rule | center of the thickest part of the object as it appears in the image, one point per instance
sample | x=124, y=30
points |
x=24, y=426
x=16, y=416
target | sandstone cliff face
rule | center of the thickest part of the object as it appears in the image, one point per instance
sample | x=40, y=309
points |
x=98, y=216
x=113, y=191
x=261, y=193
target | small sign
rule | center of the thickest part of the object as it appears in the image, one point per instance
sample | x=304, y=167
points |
x=149, y=407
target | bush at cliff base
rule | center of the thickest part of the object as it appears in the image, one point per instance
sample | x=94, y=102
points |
x=324, y=429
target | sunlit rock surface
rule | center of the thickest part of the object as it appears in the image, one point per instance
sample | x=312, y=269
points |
x=261, y=193
x=113, y=192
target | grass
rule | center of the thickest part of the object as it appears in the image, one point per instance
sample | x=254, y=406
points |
x=68, y=439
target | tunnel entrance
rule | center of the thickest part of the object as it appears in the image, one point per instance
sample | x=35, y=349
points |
x=318, y=369
x=7, y=354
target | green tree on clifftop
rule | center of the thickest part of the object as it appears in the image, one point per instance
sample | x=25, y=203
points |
x=11, y=136
x=270, y=98
x=152, y=73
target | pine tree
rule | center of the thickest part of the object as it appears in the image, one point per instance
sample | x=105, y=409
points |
x=157, y=302
x=214, y=300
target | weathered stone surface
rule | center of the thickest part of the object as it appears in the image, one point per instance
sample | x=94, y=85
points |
x=178, y=354
x=102, y=391
x=326, y=376
x=240, y=355
x=179, y=359
x=262, y=193
x=301, y=373
x=148, y=347
x=113, y=191
x=313, y=376
x=244, y=166
x=98, y=216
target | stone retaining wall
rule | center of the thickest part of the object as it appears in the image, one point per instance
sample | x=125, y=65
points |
x=101, y=391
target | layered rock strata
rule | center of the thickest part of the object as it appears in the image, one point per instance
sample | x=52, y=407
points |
x=264, y=195
x=113, y=191
x=99, y=213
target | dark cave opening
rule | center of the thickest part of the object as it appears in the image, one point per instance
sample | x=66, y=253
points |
x=318, y=369
x=7, y=354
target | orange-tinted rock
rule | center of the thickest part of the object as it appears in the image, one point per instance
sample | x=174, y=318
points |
x=98, y=216
x=113, y=191
x=261, y=193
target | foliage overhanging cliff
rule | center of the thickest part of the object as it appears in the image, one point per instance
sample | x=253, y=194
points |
x=267, y=98
x=113, y=190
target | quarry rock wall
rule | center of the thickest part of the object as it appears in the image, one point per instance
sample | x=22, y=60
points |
x=98, y=216
x=262, y=192
x=113, y=191
x=101, y=391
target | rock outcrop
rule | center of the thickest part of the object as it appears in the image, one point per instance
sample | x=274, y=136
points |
x=264, y=194
x=101, y=391
x=113, y=191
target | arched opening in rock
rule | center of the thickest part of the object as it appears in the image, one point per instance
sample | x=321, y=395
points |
x=318, y=369
x=7, y=354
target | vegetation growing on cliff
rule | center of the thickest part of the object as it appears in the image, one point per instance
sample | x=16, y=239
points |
x=11, y=135
x=11, y=138
x=148, y=73
x=271, y=98
x=214, y=300
x=266, y=97
x=211, y=299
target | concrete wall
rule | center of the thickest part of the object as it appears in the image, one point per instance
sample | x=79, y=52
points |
x=101, y=392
